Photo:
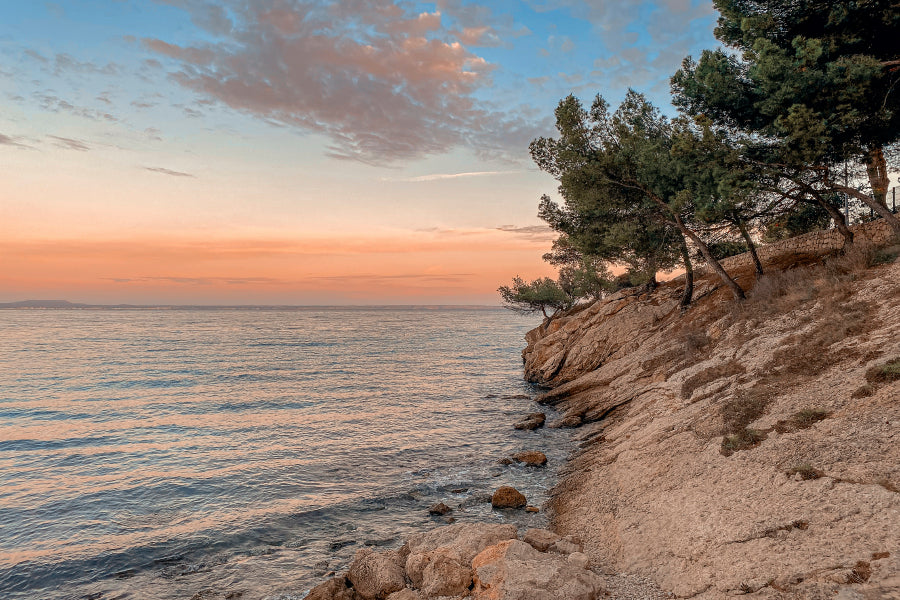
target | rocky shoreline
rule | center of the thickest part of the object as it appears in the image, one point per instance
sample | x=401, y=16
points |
x=485, y=561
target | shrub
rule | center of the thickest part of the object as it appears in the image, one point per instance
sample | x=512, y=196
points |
x=889, y=371
x=742, y=440
x=806, y=471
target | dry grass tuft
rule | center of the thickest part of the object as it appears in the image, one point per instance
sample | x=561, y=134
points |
x=860, y=573
x=884, y=373
x=806, y=471
x=742, y=440
x=863, y=391
x=803, y=419
x=744, y=407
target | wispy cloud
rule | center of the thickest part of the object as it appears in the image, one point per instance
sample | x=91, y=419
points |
x=69, y=143
x=530, y=231
x=7, y=140
x=170, y=172
x=445, y=176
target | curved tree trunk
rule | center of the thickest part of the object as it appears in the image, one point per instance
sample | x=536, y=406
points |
x=736, y=290
x=688, y=294
x=840, y=221
x=751, y=247
x=880, y=209
x=876, y=168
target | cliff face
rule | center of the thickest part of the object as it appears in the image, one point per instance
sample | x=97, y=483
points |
x=736, y=449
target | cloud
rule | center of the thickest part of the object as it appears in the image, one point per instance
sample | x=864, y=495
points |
x=383, y=83
x=534, y=232
x=54, y=103
x=201, y=280
x=6, y=140
x=445, y=176
x=69, y=143
x=170, y=172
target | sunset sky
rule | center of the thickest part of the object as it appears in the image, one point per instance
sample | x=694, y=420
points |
x=299, y=152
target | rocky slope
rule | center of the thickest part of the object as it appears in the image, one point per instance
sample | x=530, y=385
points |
x=736, y=449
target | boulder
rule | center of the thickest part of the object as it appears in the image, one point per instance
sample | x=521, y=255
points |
x=532, y=509
x=405, y=594
x=567, y=545
x=466, y=539
x=333, y=589
x=531, y=422
x=532, y=458
x=513, y=570
x=376, y=575
x=566, y=422
x=540, y=539
x=446, y=575
x=508, y=497
x=580, y=560
x=439, y=509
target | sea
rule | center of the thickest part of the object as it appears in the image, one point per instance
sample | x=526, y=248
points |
x=249, y=453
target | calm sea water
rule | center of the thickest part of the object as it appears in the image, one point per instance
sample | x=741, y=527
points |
x=161, y=454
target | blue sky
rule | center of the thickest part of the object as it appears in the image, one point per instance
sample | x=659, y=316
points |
x=181, y=120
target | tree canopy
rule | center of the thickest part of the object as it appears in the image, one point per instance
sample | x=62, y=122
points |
x=775, y=134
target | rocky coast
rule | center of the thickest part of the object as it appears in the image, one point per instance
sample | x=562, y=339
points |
x=732, y=449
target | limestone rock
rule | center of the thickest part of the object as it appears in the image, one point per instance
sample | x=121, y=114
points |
x=376, y=575
x=540, y=539
x=567, y=545
x=446, y=574
x=466, y=539
x=439, y=509
x=333, y=589
x=405, y=594
x=650, y=492
x=580, y=560
x=508, y=497
x=532, y=458
x=531, y=422
x=513, y=570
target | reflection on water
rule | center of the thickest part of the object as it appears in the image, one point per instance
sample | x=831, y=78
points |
x=163, y=454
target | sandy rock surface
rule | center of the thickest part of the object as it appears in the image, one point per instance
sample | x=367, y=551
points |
x=663, y=486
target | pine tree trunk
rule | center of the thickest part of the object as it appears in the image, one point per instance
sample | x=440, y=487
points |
x=838, y=217
x=751, y=247
x=880, y=209
x=688, y=294
x=876, y=168
x=736, y=290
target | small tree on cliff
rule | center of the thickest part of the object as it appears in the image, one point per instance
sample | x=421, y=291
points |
x=817, y=84
x=535, y=296
x=635, y=166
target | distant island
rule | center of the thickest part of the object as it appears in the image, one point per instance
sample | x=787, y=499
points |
x=67, y=305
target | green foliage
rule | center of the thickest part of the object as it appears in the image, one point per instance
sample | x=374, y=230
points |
x=802, y=219
x=813, y=86
x=885, y=373
x=727, y=248
x=534, y=296
x=634, y=183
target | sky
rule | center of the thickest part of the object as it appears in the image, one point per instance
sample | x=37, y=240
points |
x=300, y=152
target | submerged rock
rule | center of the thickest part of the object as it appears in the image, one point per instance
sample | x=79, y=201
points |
x=532, y=458
x=439, y=509
x=508, y=497
x=531, y=422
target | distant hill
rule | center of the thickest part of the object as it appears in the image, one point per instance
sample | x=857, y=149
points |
x=43, y=304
